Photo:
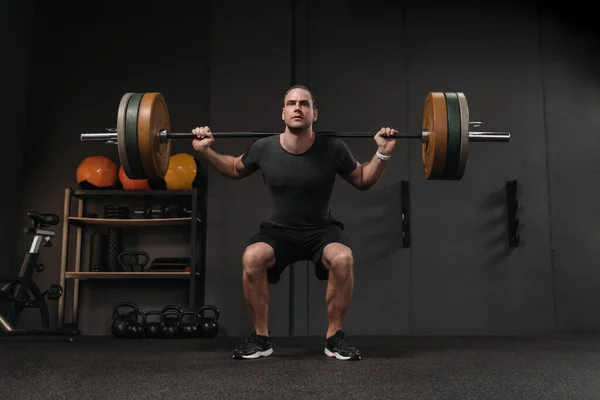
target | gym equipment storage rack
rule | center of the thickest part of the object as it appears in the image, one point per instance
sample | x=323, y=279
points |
x=70, y=270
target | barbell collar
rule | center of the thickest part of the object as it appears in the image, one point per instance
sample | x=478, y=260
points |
x=98, y=137
x=489, y=136
x=476, y=136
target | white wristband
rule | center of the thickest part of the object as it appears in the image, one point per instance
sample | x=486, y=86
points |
x=382, y=157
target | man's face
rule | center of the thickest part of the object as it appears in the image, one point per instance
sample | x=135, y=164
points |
x=298, y=111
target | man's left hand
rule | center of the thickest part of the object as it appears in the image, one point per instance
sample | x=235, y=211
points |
x=385, y=146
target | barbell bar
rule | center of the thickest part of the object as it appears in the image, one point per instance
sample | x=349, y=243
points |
x=144, y=139
x=110, y=137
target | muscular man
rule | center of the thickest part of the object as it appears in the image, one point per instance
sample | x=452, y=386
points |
x=299, y=168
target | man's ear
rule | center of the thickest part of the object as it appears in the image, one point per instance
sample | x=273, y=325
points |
x=282, y=116
x=315, y=115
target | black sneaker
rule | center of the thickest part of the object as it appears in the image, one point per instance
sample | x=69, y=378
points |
x=254, y=346
x=339, y=347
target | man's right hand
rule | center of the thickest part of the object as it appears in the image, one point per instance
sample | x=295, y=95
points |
x=204, y=139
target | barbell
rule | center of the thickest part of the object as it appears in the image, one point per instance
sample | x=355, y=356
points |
x=143, y=135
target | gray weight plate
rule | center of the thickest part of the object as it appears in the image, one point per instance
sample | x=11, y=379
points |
x=464, y=133
x=121, y=141
x=131, y=137
x=454, y=137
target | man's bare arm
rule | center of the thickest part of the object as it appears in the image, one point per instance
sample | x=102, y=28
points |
x=229, y=166
x=366, y=174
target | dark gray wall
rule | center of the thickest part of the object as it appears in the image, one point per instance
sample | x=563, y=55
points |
x=570, y=65
x=525, y=70
x=16, y=47
x=250, y=71
x=466, y=280
x=359, y=76
x=81, y=71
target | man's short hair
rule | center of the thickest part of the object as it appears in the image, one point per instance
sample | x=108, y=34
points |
x=312, y=96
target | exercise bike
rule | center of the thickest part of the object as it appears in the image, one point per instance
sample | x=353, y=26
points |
x=23, y=293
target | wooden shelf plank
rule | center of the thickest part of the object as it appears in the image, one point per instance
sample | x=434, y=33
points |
x=131, y=222
x=128, y=275
x=133, y=193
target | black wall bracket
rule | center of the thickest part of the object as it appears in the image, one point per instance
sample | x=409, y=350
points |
x=405, y=214
x=512, y=204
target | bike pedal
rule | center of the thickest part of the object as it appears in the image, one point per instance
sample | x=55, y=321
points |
x=54, y=292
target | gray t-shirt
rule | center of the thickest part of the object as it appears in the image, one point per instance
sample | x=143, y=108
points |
x=300, y=185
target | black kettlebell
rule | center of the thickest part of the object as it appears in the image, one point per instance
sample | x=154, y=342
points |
x=189, y=329
x=170, y=323
x=172, y=307
x=152, y=329
x=136, y=321
x=209, y=326
x=120, y=323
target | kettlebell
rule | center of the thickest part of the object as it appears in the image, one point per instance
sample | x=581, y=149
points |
x=172, y=307
x=152, y=329
x=209, y=326
x=120, y=323
x=135, y=324
x=190, y=329
x=170, y=323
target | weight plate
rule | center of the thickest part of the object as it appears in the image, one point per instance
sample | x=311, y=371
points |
x=454, y=137
x=121, y=135
x=131, y=137
x=153, y=117
x=464, y=134
x=435, y=121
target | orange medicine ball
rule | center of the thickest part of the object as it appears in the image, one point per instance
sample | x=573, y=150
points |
x=181, y=173
x=132, y=184
x=98, y=171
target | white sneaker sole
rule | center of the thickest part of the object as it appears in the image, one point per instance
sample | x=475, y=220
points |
x=259, y=354
x=337, y=355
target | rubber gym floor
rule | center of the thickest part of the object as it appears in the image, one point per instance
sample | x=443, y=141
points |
x=92, y=367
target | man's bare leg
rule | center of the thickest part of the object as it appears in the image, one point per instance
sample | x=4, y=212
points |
x=256, y=259
x=339, y=261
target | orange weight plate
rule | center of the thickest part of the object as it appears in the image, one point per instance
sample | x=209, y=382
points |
x=435, y=121
x=152, y=118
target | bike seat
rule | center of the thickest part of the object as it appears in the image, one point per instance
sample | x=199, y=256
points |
x=43, y=219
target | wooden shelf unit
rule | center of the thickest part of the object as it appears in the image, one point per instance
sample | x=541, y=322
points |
x=71, y=271
x=129, y=275
x=80, y=221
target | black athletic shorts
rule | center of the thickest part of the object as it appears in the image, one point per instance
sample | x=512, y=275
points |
x=299, y=244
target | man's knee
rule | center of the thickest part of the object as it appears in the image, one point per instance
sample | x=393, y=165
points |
x=338, y=259
x=257, y=257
